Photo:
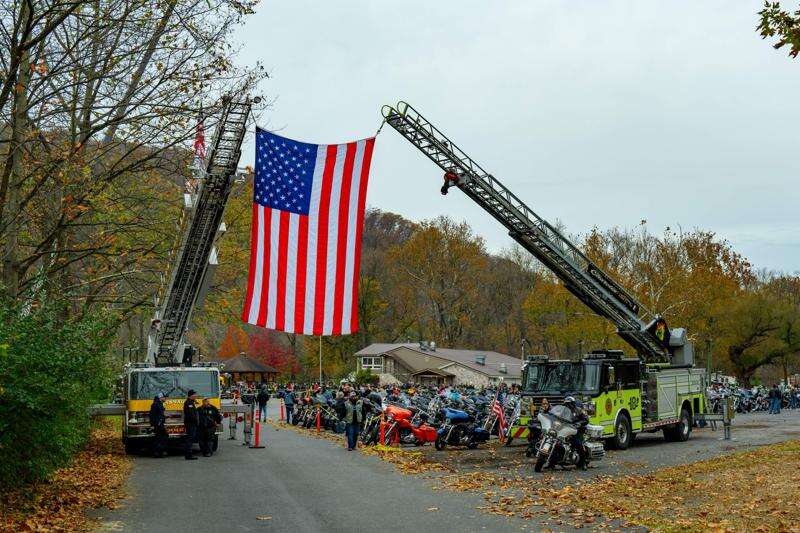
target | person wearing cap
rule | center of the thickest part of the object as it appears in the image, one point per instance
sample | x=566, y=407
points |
x=191, y=420
x=353, y=415
x=157, y=420
x=209, y=418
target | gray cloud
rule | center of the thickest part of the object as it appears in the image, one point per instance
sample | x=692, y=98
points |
x=594, y=112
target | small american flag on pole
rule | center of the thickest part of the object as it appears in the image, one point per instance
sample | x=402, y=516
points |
x=499, y=412
x=308, y=216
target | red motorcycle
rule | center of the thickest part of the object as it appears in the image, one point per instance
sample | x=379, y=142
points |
x=407, y=426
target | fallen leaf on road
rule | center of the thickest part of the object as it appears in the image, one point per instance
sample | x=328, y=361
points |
x=433, y=508
x=263, y=518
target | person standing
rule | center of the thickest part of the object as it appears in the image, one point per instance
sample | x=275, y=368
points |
x=191, y=421
x=262, y=399
x=352, y=418
x=209, y=418
x=288, y=402
x=158, y=420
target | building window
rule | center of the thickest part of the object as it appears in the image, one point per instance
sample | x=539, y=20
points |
x=372, y=363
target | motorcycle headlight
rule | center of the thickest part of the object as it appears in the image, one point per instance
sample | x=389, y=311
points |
x=591, y=409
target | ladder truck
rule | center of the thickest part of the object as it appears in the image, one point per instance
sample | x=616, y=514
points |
x=169, y=369
x=658, y=390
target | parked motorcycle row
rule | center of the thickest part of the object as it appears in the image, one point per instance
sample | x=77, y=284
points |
x=749, y=400
x=456, y=420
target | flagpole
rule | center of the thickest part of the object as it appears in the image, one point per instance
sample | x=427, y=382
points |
x=320, y=360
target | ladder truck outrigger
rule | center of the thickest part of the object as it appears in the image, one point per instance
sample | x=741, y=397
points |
x=170, y=368
x=660, y=389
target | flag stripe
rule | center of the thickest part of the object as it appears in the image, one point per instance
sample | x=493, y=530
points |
x=266, y=221
x=291, y=272
x=313, y=239
x=283, y=265
x=322, y=240
x=362, y=201
x=308, y=216
x=300, y=289
x=248, y=300
x=341, y=239
x=333, y=244
x=274, y=236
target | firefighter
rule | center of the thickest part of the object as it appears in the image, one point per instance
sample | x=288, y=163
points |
x=209, y=418
x=191, y=421
x=157, y=421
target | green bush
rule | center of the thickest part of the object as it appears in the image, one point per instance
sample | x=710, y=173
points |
x=50, y=372
x=365, y=376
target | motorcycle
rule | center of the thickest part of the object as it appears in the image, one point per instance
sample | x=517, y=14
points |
x=459, y=429
x=556, y=447
x=407, y=426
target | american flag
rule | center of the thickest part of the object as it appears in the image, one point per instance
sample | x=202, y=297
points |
x=200, y=141
x=499, y=412
x=308, y=216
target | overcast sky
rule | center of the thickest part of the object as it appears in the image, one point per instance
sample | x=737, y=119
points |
x=595, y=113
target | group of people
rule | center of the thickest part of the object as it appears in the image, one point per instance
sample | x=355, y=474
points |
x=348, y=402
x=200, y=425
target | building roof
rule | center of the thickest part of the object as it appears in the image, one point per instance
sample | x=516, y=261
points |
x=468, y=358
x=241, y=363
x=434, y=371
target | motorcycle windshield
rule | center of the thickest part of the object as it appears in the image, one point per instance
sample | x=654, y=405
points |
x=562, y=412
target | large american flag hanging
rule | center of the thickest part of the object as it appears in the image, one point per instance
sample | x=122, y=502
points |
x=305, y=245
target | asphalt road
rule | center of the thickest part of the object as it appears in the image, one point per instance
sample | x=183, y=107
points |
x=304, y=484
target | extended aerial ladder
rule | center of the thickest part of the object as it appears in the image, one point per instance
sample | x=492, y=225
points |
x=173, y=312
x=639, y=327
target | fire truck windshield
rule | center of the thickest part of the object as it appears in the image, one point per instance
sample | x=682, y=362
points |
x=145, y=385
x=565, y=378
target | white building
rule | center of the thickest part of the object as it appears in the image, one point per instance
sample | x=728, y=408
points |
x=427, y=364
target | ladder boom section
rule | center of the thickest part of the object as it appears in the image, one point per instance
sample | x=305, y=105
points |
x=198, y=240
x=580, y=275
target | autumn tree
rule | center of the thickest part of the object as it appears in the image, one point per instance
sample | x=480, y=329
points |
x=92, y=146
x=775, y=22
x=234, y=343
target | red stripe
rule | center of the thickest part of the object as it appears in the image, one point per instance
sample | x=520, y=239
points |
x=341, y=244
x=300, y=285
x=283, y=246
x=262, y=309
x=362, y=199
x=251, y=277
x=322, y=240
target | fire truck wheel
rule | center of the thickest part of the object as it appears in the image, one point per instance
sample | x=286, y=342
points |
x=622, y=433
x=682, y=430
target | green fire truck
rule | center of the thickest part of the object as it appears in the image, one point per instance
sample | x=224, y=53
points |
x=623, y=394
x=659, y=389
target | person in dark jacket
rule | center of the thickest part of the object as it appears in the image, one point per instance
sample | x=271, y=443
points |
x=353, y=416
x=288, y=400
x=191, y=421
x=262, y=399
x=157, y=421
x=209, y=418
x=580, y=419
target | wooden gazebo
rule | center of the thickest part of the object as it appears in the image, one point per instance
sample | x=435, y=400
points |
x=243, y=368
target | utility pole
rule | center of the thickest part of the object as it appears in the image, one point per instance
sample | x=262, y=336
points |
x=524, y=340
x=709, y=357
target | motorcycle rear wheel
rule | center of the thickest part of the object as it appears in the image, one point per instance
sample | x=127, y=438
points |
x=540, y=461
x=440, y=444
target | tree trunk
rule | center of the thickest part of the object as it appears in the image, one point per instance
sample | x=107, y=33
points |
x=19, y=131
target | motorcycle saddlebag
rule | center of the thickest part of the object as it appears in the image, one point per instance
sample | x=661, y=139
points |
x=429, y=432
x=596, y=450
